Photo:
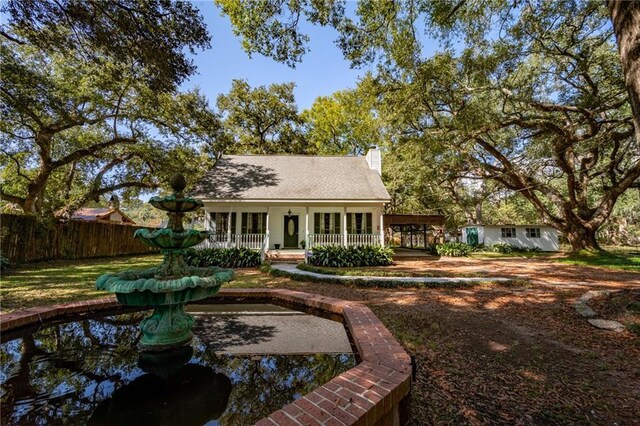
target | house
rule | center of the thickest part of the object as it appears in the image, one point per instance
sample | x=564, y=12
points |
x=275, y=202
x=528, y=236
x=103, y=214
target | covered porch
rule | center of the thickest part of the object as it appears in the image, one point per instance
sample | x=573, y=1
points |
x=266, y=227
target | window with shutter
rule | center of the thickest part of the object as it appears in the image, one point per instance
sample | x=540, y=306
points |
x=316, y=223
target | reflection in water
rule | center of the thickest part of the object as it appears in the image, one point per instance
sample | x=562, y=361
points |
x=90, y=371
x=192, y=395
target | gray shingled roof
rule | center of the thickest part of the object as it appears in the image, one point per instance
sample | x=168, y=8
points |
x=299, y=177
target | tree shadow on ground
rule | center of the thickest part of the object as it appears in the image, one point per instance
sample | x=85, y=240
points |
x=219, y=333
x=505, y=355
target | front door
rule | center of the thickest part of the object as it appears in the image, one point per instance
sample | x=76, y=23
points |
x=472, y=236
x=291, y=232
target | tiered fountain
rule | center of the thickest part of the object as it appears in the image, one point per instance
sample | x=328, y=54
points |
x=173, y=283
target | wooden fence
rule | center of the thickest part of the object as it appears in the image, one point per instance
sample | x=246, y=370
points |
x=24, y=239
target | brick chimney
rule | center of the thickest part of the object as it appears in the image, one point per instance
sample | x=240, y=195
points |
x=374, y=159
x=114, y=202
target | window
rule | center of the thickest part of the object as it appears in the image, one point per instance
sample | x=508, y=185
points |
x=326, y=223
x=532, y=232
x=359, y=223
x=219, y=223
x=508, y=232
x=254, y=223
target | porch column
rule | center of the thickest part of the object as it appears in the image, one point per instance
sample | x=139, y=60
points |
x=306, y=232
x=381, y=229
x=266, y=245
x=411, y=234
x=229, y=218
x=344, y=226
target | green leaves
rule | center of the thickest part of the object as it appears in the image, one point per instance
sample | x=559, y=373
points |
x=270, y=27
x=156, y=34
x=341, y=257
x=454, y=249
x=343, y=123
x=90, y=103
x=261, y=120
x=224, y=258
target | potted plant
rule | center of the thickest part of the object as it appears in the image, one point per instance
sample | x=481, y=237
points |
x=302, y=244
x=276, y=246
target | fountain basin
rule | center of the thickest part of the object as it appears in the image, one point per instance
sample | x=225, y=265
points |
x=384, y=367
x=169, y=326
x=173, y=203
x=144, y=288
x=168, y=239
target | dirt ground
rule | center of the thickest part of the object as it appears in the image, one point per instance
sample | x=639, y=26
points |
x=508, y=355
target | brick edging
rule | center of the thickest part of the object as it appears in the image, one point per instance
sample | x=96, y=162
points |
x=38, y=314
x=368, y=394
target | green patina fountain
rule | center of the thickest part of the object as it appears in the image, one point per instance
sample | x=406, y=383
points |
x=167, y=287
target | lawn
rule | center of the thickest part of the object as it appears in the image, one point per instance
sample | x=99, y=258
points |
x=45, y=283
x=62, y=281
x=483, y=354
x=622, y=260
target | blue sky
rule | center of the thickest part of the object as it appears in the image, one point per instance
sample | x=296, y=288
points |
x=322, y=72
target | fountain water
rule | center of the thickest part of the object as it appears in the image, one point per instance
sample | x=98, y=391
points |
x=173, y=283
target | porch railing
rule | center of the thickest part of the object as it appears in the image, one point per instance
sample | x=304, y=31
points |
x=325, y=240
x=252, y=241
x=363, y=240
x=338, y=240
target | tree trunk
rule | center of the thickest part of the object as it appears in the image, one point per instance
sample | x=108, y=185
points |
x=625, y=16
x=581, y=237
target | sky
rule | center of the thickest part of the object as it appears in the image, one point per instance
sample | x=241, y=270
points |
x=322, y=72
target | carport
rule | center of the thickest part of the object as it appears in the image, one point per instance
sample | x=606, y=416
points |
x=414, y=230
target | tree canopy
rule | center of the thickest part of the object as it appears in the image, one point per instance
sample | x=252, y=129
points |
x=90, y=102
x=261, y=120
x=529, y=95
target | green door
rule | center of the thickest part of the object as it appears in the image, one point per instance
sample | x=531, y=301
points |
x=472, y=236
x=291, y=232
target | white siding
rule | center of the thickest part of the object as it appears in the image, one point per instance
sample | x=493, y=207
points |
x=492, y=234
x=278, y=213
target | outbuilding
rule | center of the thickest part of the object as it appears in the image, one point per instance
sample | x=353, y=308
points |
x=527, y=236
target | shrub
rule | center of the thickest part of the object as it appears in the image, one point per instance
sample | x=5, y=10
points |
x=454, y=249
x=502, y=248
x=509, y=248
x=223, y=257
x=4, y=263
x=349, y=257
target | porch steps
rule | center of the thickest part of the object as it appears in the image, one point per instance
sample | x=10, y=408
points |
x=285, y=256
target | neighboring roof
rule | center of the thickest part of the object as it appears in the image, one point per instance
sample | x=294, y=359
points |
x=291, y=177
x=98, y=213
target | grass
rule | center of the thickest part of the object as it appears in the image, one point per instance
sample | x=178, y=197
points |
x=45, y=283
x=620, y=260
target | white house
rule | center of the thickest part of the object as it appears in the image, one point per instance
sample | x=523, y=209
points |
x=280, y=202
x=528, y=236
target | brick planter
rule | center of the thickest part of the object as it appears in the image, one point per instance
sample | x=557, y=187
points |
x=374, y=392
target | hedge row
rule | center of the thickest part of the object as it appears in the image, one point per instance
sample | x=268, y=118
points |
x=223, y=257
x=350, y=257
